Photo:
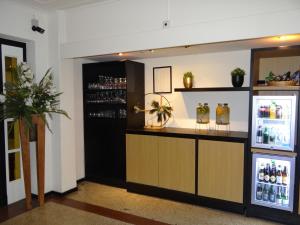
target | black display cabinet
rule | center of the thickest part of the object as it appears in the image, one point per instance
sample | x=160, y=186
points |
x=110, y=90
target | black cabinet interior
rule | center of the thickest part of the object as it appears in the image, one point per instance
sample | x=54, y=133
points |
x=106, y=119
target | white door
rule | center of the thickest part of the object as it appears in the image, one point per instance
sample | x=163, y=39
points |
x=13, y=159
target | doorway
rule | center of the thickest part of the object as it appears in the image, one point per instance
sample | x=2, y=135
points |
x=11, y=170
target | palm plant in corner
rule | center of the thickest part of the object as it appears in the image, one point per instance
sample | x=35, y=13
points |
x=29, y=103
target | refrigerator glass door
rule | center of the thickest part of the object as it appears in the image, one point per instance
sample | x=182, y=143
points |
x=273, y=122
x=273, y=181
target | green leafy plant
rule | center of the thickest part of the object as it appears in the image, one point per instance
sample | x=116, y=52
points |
x=163, y=112
x=23, y=98
x=188, y=75
x=238, y=72
x=270, y=77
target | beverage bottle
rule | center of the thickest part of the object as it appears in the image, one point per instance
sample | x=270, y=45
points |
x=263, y=111
x=273, y=110
x=278, y=112
x=279, y=175
x=284, y=176
x=272, y=194
x=272, y=136
x=261, y=172
x=273, y=173
x=265, y=193
x=259, y=192
x=278, y=196
x=259, y=135
x=267, y=111
x=278, y=139
x=266, y=136
x=259, y=112
x=267, y=173
x=284, y=196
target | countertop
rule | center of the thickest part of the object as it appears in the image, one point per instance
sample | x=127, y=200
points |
x=233, y=136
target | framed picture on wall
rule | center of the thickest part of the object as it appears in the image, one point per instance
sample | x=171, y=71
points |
x=162, y=79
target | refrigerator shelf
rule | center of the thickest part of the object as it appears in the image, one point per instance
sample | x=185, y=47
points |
x=276, y=185
x=272, y=204
x=273, y=121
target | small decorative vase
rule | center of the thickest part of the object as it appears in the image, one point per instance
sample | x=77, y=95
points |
x=237, y=81
x=188, y=82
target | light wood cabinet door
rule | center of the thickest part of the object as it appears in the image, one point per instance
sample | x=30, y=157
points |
x=221, y=170
x=142, y=159
x=176, y=158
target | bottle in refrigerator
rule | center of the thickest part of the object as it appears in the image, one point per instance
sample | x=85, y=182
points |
x=279, y=175
x=278, y=112
x=284, y=176
x=266, y=136
x=259, y=135
x=261, y=172
x=267, y=173
x=273, y=110
x=272, y=194
x=284, y=196
x=278, y=196
x=259, y=192
x=265, y=196
x=272, y=136
x=273, y=173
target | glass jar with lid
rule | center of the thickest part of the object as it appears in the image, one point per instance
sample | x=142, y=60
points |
x=203, y=113
x=226, y=112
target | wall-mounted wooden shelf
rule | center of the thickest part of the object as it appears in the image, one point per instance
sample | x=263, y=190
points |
x=211, y=89
x=276, y=88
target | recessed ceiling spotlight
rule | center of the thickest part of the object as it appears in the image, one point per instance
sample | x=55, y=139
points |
x=120, y=54
x=282, y=46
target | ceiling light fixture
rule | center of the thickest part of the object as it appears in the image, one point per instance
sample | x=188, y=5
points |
x=151, y=50
x=187, y=46
x=120, y=54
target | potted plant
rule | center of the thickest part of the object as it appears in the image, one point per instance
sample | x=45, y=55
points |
x=28, y=103
x=188, y=79
x=237, y=77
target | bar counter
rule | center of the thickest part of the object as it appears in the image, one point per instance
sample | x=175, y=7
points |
x=218, y=135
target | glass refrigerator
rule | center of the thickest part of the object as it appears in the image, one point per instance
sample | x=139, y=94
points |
x=273, y=181
x=273, y=122
x=273, y=128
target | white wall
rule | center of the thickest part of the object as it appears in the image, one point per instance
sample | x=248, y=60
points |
x=210, y=70
x=15, y=23
x=120, y=26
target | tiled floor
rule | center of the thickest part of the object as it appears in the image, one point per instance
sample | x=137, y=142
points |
x=95, y=204
x=56, y=214
x=157, y=209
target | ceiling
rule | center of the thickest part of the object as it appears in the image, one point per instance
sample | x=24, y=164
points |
x=275, y=41
x=57, y=4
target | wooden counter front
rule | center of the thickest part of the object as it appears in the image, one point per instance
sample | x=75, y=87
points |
x=221, y=170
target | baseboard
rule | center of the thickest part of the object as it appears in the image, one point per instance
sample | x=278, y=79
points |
x=55, y=193
x=185, y=197
x=81, y=180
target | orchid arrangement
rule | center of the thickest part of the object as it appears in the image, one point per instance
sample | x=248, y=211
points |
x=23, y=97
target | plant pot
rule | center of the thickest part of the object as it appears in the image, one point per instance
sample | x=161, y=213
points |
x=237, y=81
x=188, y=82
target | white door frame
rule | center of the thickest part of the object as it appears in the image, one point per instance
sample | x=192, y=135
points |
x=15, y=189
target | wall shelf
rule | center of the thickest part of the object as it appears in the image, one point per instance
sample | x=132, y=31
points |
x=211, y=89
x=276, y=88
